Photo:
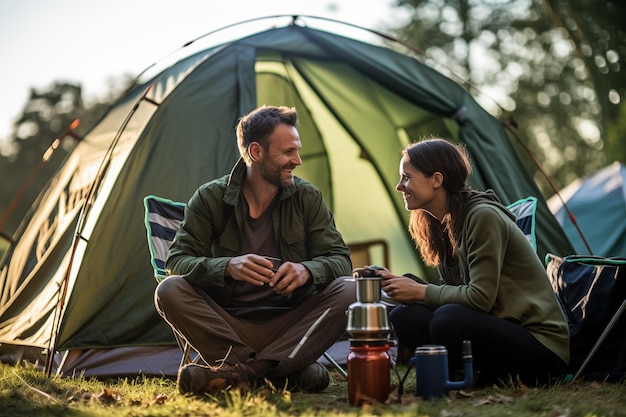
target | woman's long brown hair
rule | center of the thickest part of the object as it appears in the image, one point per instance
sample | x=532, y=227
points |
x=432, y=237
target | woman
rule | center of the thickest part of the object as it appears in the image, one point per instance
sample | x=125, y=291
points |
x=494, y=290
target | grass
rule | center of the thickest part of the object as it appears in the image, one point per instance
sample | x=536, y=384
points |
x=26, y=391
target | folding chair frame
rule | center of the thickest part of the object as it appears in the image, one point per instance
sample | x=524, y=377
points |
x=603, y=336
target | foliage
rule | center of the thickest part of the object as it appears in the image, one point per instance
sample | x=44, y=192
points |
x=33, y=144
x=26, y=391
x=616, y=136
x=52, y=121
x=599, y=36
x=552, y=65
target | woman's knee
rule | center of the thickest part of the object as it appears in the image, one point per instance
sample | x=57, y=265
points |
x=451, y=321
x=449, y=314
x=408, y=318
x=398, y=314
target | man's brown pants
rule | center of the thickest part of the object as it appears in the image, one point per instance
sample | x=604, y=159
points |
x=216, y=335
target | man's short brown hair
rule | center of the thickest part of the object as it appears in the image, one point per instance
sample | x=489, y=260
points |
x=259, y=124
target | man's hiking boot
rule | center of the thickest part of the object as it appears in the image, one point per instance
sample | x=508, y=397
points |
x=199, y=379
x=313, y=378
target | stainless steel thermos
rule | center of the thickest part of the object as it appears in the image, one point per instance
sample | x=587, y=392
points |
x=369, y=365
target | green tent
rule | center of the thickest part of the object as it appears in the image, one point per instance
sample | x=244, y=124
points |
x=77, y=285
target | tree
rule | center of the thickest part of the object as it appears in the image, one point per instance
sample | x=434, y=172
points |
x=521, y=55
x=597, y=30
x=52, y=122
x=616, y=135
x=33, y=147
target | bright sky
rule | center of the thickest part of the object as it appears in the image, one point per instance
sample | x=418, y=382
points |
x=92, y=41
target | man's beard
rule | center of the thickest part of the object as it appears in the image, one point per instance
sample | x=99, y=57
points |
x=272, y=173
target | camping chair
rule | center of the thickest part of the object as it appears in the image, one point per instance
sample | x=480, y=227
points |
x=525, y=211
x=162, y=219
x=592, y=293
x=603, y=336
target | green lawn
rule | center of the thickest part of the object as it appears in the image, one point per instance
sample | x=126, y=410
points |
x=26, y=391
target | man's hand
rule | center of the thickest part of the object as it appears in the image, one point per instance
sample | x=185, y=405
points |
x=250, y=268
x=289, y=277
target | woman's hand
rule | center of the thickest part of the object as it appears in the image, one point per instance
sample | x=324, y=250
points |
x=402, y=289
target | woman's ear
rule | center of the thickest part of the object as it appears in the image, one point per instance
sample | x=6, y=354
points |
x=437, y=179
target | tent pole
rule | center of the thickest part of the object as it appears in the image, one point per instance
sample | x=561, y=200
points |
x=56, y=322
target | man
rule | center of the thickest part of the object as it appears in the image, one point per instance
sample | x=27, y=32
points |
x=249, y=316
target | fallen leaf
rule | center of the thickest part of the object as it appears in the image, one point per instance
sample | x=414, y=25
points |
x=108, y=396
x=463, y=394
x=521, y=389
x=159, y=399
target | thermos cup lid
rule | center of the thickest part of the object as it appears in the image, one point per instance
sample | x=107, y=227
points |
x=431, y=350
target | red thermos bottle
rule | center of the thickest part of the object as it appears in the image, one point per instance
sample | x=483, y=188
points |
x=368, y=373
